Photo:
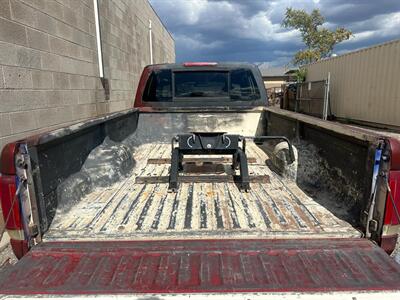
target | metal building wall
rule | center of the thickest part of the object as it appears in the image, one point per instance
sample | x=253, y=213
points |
x=365, y=84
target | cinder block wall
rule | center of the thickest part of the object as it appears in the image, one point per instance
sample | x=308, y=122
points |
x=48, y=60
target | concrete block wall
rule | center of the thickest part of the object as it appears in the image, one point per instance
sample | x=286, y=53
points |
x=49, y=73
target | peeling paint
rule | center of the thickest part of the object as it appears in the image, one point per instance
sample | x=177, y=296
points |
x=126, y=209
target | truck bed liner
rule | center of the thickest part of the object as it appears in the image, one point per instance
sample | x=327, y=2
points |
x=276, y=208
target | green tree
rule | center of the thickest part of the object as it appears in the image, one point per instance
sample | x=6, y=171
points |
x=319, y=40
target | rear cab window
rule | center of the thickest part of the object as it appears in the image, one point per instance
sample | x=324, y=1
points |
x=199, y=84
x=158, y=87
x=202, y=85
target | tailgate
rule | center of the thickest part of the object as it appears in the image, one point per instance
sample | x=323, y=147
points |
x=202, y=266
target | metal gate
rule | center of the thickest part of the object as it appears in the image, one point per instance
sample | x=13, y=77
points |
x=312, y=98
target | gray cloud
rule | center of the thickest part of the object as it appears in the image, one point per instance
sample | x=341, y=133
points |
x=249, y=30
x=348, y=12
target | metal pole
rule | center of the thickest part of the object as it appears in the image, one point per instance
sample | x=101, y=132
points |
x=98, y=38
x=328, y=94
x=150, y=43
x=326, y=98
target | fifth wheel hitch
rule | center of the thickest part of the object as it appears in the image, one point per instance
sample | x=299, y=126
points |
x=215, y=143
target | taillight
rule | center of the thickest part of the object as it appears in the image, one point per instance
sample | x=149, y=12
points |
x=391, y=222
x=10, y=202
x=7, y=165
x=393, y=197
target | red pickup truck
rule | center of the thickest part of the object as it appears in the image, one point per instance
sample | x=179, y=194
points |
x=202, y=191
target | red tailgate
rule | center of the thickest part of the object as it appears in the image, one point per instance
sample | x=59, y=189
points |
x=202, y=266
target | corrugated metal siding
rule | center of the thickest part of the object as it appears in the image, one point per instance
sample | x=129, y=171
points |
x=365, y=85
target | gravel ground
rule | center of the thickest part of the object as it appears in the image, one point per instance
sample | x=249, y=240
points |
x=396, y=252
x=7, y=257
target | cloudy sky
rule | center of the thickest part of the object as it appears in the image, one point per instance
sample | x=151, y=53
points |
x=250, y=30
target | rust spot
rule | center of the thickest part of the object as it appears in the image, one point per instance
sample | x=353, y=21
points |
x=210, y=193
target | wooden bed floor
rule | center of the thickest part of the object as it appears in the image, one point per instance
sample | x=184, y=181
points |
x=128, y=210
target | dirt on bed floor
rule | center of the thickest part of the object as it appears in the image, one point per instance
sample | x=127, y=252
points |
x=130, y=208
x=324, y=184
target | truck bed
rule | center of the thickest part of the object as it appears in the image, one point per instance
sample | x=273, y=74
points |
x=136, y=209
